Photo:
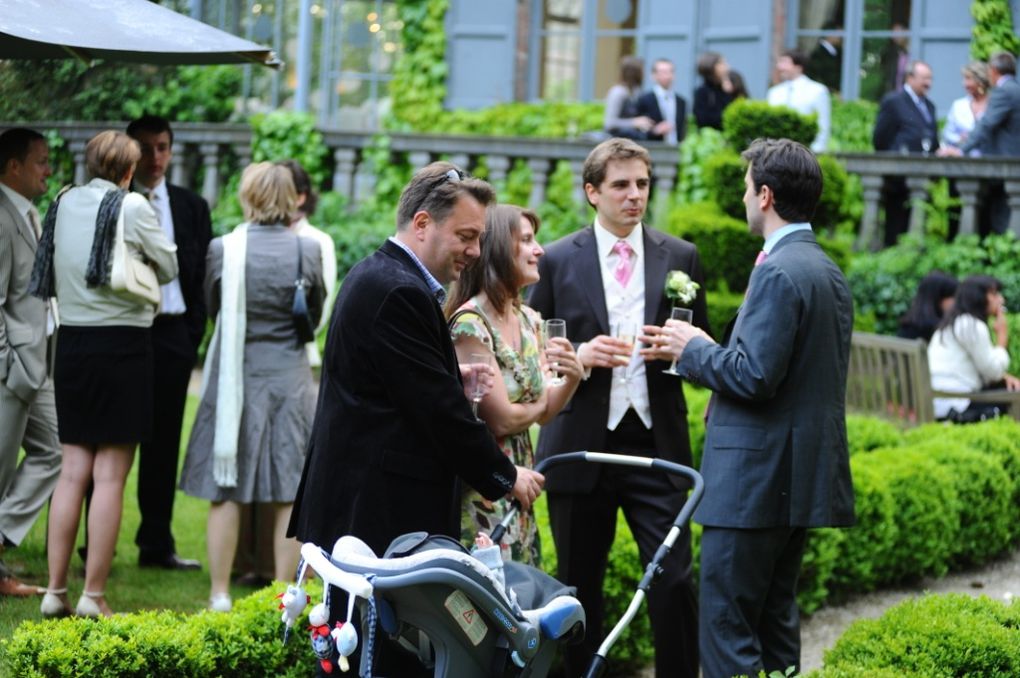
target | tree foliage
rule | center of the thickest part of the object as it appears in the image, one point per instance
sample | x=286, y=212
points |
x=993, y=29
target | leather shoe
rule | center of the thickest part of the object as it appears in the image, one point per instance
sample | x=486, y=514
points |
x=10, y=586
x=169, y=561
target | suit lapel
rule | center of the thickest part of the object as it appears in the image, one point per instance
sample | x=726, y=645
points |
x=176, y=213
x=24, y=228
x=589, y=269
x=656, y=263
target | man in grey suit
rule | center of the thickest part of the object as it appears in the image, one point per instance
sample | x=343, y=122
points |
x=28, y=415
x=998, y=130
x=776, y=459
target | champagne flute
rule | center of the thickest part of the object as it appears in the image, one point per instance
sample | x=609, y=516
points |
x=475, y=385
x=625, y=330
x=555, y=327
x=686, y=315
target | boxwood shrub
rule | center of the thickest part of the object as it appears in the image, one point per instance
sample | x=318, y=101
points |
x=745, y=120
x=935, y=635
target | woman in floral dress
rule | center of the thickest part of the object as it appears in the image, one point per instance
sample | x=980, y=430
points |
x=487, y=317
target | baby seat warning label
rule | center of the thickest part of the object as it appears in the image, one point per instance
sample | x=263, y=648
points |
x=470, y=621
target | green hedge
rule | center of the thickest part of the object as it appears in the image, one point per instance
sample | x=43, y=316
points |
x=726, y=249
x=246, y=642
x=746, y=119
x=935, y=635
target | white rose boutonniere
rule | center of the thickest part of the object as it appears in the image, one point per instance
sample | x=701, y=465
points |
x=680, y=287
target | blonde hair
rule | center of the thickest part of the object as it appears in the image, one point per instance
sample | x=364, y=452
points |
x=978, y=72
x=111, y=155
x=267, y=193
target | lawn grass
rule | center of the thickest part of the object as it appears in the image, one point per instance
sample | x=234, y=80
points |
x=129, y=588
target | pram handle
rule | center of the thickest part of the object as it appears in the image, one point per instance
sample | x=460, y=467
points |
x=354, y=584
x=672, y=468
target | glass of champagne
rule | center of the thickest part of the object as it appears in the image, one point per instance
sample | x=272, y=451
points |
x=625, y=330
x=555, y=327
x=686, y=315
x=475, y=382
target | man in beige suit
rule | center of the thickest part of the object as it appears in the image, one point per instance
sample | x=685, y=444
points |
x=28, y=415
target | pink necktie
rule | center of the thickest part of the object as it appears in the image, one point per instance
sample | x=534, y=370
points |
x=762, y=256
x=625, y=264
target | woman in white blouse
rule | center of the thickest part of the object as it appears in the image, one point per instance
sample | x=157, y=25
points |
x=967, y=110
x=962, y=357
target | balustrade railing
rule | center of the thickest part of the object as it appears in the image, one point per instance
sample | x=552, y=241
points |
x=213, y=147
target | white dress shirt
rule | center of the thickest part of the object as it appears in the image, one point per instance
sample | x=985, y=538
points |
x=806, y=96
x=159, y=198
x=667, y=106
x=625, y=304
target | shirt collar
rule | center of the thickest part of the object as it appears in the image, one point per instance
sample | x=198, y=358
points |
x=661, y=93
x=605, y=240
x=159, y=189
x=911, y=93
x=21, y=203
x=1002, y=79
x=771, y=241
x=430, y=279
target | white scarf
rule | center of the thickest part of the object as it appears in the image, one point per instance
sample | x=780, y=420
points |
x=228, y=340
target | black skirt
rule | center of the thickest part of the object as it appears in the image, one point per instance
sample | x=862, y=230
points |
x=103, y=383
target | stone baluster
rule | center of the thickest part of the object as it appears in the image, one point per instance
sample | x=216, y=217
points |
x=869, y=237
x=577, y=179
x=178, y=166
x=418, y=159
x=539, y=181
x=78, y=153
x=499, y=165
x=343, y=176
x=664, y=174
x=243, y=154
x=211, y=165
x=968, y=189
x=918, y=187
x=1013, y=196
x=461, y=160
x=364, y=183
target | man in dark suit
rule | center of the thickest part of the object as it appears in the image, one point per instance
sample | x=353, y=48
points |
x=997, y=133
x=906, y=123
x=28, y=414
x=394, y=433
x=666, y=108
x=607, y=275
x=776, y=459
x=176, y=334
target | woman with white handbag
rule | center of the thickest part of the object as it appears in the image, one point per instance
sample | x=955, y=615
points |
x=103, y=256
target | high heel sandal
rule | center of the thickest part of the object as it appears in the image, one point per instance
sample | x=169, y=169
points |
x=53, y=606
x=87, y=605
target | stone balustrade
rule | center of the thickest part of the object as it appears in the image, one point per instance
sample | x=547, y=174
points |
x=212, y=147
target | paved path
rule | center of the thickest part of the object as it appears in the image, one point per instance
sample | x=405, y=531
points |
x=998, y=580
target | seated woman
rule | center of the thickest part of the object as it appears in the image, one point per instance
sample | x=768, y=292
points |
x=258, y=398
x=103, y=369
x=961, y=356
x=621, y=118
x=933, y=298
x=487, y=317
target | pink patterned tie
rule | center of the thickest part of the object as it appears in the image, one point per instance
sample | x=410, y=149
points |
x=762, y=256
x=625, y=264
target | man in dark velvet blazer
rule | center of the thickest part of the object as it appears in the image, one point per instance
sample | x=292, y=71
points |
x=626, y=405
x=176, y=334
x=661, y=100
x=776, y=461
x=906, y=123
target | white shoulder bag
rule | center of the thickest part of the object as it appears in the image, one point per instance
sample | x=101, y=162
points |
x=129, y=272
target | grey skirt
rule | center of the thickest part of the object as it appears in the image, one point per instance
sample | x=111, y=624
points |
x=276, y=421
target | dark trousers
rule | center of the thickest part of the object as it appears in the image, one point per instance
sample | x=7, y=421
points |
x=584, y=526
x=896, y=200
x=174, y=358
x=749, y=621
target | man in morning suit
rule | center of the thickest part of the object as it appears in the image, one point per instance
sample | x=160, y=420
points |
x=776, y=459
x=394, y=435
x=666, y=108
x=802, y=94
x=610, y=273
x=176, y=334
x=998, y=130
x=906, y=123
x=28, y=413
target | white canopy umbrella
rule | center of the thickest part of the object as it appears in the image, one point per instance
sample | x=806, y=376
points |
x=118, y=30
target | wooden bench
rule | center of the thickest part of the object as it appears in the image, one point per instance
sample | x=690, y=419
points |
x=889, y=378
